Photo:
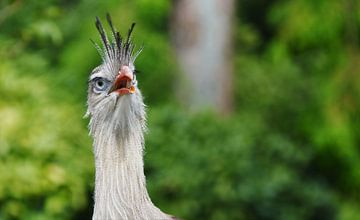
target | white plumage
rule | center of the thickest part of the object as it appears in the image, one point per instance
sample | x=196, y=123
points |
x=117, y=124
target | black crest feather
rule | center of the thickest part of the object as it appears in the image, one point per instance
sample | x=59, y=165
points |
x=115, y=48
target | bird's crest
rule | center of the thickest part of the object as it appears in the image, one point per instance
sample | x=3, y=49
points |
x=115, y=49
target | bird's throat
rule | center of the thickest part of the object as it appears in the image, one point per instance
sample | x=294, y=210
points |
x=120, y=185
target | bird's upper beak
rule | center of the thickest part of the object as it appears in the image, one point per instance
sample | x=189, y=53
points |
x=123, y=83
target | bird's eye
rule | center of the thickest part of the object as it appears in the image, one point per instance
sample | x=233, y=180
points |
x=100, y=84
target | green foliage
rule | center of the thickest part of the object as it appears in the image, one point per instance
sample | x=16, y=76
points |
x=38, y=178
x=289, y=150
x=235, y=168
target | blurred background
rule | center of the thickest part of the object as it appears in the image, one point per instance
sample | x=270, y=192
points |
x=253, y=106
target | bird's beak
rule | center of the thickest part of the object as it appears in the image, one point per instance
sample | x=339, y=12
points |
x=123, y=82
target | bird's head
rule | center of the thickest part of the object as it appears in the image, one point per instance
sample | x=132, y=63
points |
x=114, y=100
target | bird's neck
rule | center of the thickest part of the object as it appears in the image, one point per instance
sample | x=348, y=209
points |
x=120, y=185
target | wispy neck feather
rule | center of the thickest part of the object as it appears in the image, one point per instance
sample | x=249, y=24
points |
x=120, y=185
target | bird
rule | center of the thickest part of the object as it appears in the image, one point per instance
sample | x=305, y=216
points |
x=117, y=124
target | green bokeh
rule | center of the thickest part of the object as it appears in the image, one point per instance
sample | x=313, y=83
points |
x=290, y=150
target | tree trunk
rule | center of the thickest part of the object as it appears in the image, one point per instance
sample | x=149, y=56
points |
x=201, y=32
